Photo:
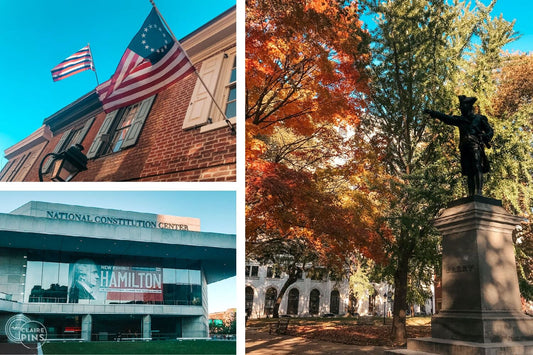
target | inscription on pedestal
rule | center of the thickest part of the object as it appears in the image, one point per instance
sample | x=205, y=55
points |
x=460, y=268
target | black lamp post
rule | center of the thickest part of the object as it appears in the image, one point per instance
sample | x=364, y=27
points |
x=65, y=165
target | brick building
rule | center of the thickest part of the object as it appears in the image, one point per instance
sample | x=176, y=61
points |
x=176, y=135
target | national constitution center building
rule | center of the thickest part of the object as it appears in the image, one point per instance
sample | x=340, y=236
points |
x=100, y=274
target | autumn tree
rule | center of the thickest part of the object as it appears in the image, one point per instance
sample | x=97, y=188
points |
x=307, y=173
x=420, y=52
x=511, y=180
x=511, y=111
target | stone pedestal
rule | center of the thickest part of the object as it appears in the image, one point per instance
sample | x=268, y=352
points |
x=481, y=308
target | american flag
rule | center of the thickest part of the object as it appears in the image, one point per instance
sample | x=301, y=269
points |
x=152, y=62
x=76, y=63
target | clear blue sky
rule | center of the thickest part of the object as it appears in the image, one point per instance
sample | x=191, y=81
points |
x=37, y=35
x=216, y=210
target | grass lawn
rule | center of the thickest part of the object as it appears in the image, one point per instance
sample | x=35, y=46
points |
x=153, y=347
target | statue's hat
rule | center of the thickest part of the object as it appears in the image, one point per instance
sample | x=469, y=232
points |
x=467, y=100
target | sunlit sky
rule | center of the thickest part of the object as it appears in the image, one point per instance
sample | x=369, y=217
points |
x=216, y=210
x=37, y=35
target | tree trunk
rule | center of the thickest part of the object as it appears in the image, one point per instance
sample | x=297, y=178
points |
x=399, y=331
x=293, y=276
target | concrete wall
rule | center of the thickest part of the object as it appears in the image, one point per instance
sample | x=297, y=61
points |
x=12, y=269
x=194, y=327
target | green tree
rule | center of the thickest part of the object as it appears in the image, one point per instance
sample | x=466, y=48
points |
x=420, y=52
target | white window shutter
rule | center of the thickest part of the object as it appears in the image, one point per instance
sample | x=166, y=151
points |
x=138, y=122
x=200, y=105
x=56, y=150
x=102, y=136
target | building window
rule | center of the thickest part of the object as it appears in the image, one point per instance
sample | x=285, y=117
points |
x=292, y=303
x=249, y=299
x=270, y=301
x=334, y=302
x=372, y=303
x=252, y=270
x=12, y=169
x=314, y=301
x=69, y=138
x=316, y=274
x=219, y=76
x=273, y=272
x=335, y=276
x=231, y=92
x=89, y=281
x=121, y=129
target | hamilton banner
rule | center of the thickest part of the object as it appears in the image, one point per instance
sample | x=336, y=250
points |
x=89, y=281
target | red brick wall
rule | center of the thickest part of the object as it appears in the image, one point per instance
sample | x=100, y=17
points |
x=164, y=151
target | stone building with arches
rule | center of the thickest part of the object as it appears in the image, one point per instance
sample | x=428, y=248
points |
x=313, y=294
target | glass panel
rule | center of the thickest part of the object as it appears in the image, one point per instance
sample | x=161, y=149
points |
x=33, y=288
x=182, y=276
x=232, y=94
x=231, y=110
x=195, y=277
x=87, y=282
x=233, y=76
x=123, y=127
x=169, y=276
x=50, y=284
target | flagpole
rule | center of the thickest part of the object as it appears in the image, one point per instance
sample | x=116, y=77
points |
x=228, y=122
x=94, y=66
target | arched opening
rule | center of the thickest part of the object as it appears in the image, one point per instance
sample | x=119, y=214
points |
x=292, y=304
x=314, y=301
x=334, y=302
x=270, y=300
x=249, y=300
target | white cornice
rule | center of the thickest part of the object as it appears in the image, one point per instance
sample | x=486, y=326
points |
x=41, y=135
x=215, y=37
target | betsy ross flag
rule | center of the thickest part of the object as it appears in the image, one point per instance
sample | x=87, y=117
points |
x=76, y=63
x=152, y=62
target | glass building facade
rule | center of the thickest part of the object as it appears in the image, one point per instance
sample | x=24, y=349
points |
x=91, y=279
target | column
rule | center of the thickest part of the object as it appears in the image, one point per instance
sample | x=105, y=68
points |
x=86, y=327
x=147, y=326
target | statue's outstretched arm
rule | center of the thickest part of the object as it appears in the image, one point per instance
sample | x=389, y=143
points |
x=451, y=120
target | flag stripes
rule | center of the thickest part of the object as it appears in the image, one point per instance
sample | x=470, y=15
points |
x=76, y=63
x=138, y=75
x=139, y=80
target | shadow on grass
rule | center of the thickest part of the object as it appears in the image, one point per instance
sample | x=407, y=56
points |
x=154, y=347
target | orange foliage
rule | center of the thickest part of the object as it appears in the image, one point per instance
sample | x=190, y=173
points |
x=304, y=63
x=515, y=84
x=305, y=78
x=292, y=205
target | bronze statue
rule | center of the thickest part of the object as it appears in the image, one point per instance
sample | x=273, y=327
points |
x=475, y=134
